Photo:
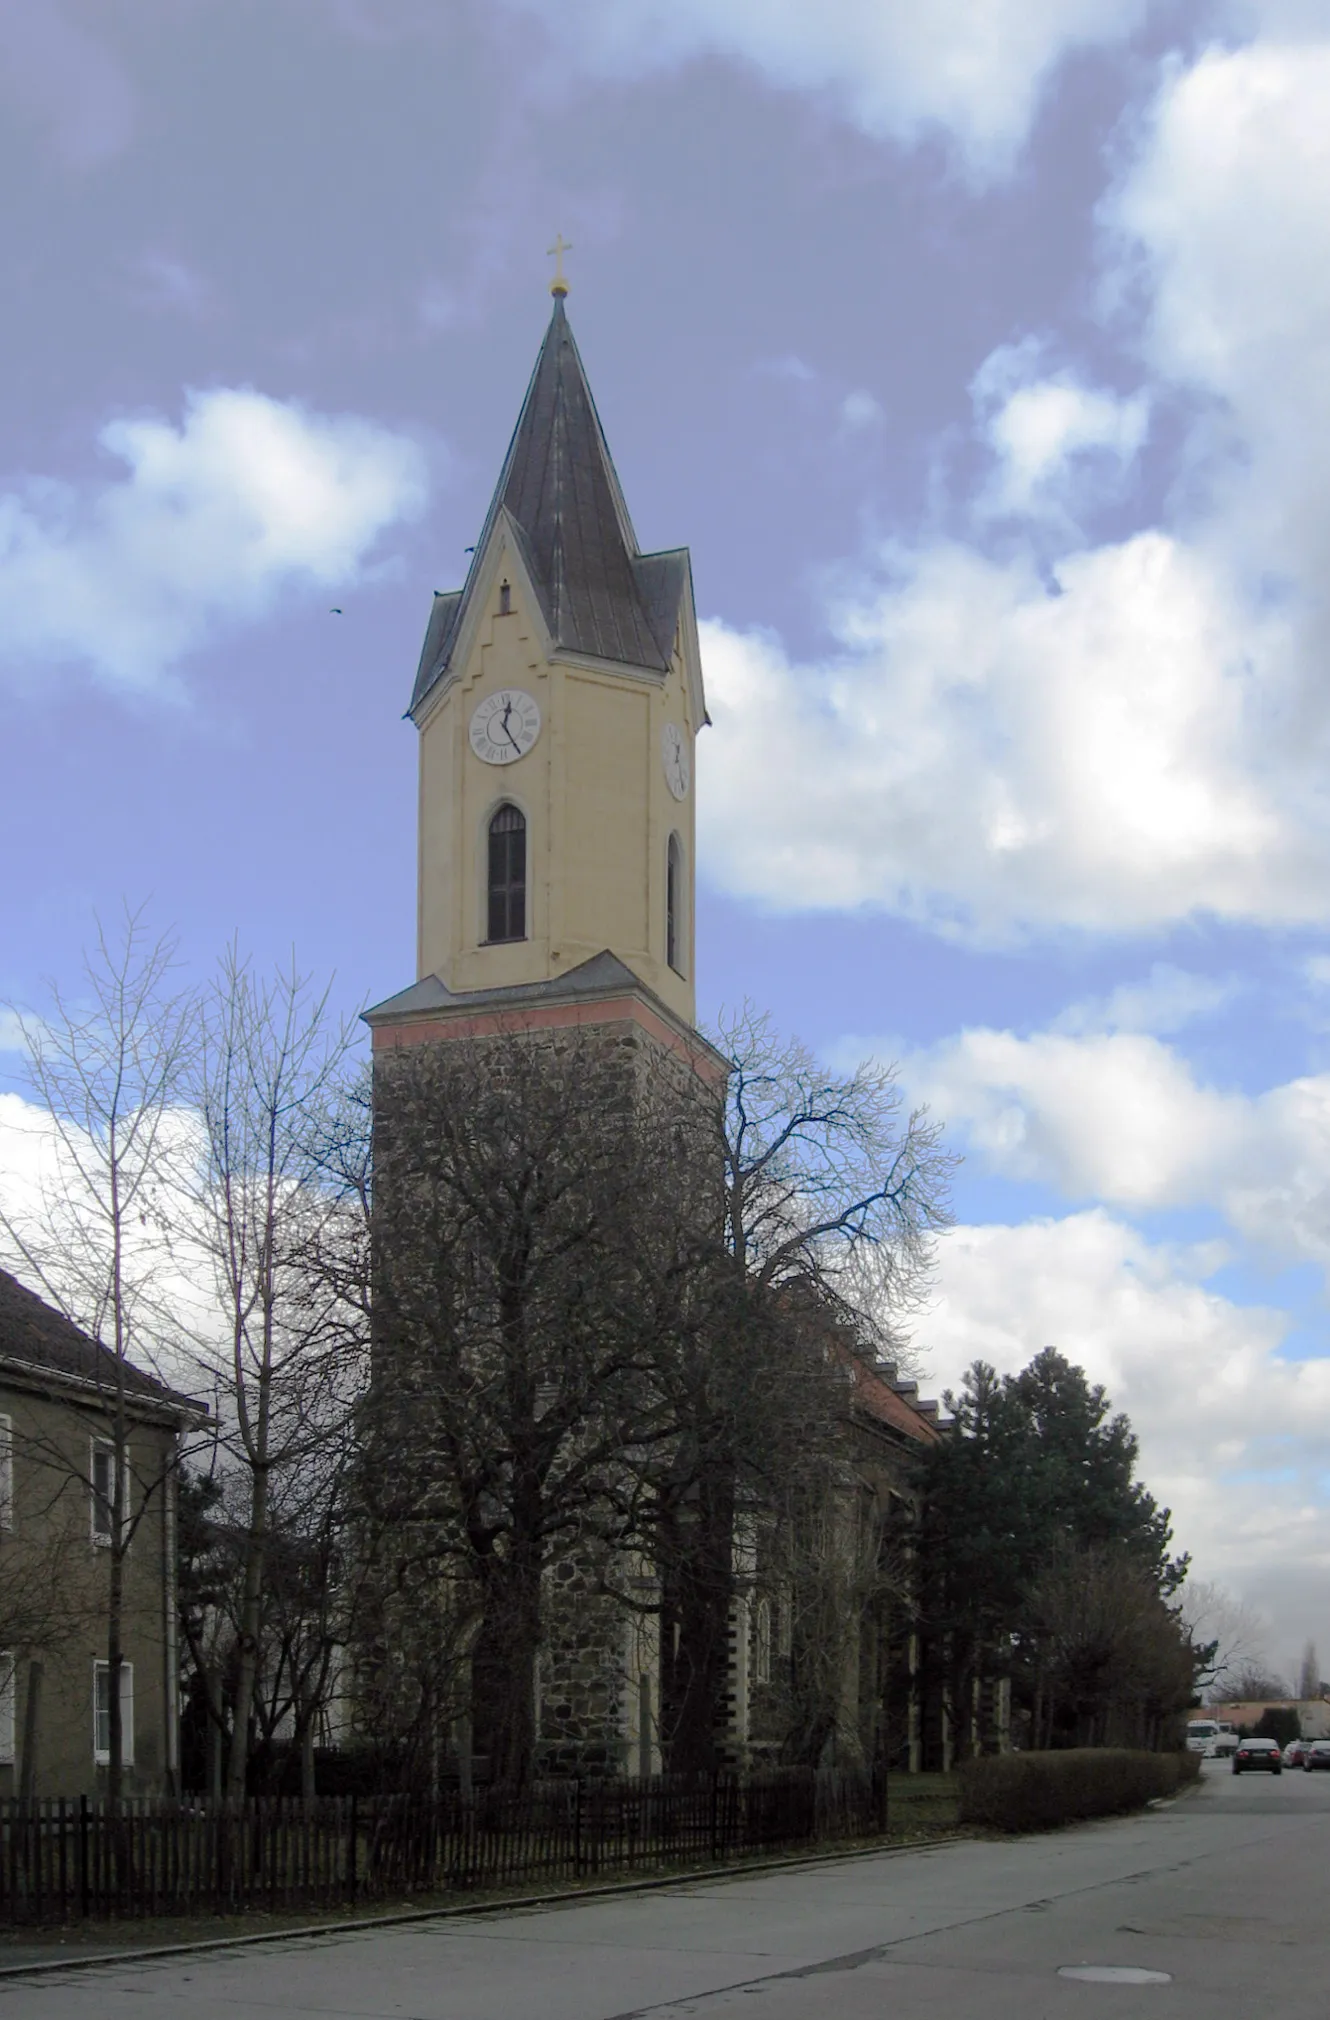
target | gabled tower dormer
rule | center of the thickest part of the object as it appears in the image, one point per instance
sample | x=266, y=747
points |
x=558, y=698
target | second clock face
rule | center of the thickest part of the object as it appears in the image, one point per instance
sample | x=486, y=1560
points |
x=674, y=752
x=504, y=726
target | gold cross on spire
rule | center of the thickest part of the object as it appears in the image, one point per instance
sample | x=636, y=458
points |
x=559, y=285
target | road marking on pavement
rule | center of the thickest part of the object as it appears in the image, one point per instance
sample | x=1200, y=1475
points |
x=1114, y=1974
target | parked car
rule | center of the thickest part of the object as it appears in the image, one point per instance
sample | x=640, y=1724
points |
x=1293, y=1753
x=1259, y=1753
x=1316, y=1755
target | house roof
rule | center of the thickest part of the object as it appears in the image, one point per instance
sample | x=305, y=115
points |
x=42, y=1340
x=599, y=594
x=878, y=1395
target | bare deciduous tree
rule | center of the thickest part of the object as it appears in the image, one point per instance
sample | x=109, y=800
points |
x=289, y=1365
x=1231, y=1635
x=833, y=1194
x=1115, y=1663
x=820, y=1168
x=105, y=1066
x=1250, y=1682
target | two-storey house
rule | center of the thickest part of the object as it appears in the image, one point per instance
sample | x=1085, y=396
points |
x=62, y=1396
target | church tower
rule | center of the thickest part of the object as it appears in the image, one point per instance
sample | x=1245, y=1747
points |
x=558, y=698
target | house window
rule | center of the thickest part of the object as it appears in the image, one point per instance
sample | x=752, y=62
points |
x=8, y=1692
x=101, y=1713
x=101, y=1474
x=6, y=1473
x=762, y=1642
x=507, y=875
x=674, y=905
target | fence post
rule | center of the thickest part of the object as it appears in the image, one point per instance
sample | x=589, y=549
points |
x=83, y=1857
x=353, y=1848
x=577, y=1830
x=715, y=1816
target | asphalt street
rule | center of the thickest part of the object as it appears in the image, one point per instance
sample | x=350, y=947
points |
x=1221, y=1898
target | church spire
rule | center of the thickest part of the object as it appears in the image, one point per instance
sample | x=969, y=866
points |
x=599, y=595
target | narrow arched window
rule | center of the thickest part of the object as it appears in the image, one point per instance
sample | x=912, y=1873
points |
x=674, y=905
x=507, y=875
x=762, y=1642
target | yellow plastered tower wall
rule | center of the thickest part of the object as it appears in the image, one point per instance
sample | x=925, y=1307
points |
x=562, y=682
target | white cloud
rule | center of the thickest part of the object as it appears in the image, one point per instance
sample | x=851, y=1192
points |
x=1234, y=1438
x=1226, y=218
x=1109, y=737
x=1115, y=1116
x=973, y=72
x=1166, y=1000
x=1118, y=1115
x=247, y=498
x=995, y=752
x=1052, y=437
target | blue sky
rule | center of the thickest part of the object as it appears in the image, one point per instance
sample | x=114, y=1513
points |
x=980, y=354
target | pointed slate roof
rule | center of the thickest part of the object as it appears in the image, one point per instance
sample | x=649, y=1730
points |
x=600, y=595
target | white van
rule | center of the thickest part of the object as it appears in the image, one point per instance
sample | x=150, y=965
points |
x=1211, y=1736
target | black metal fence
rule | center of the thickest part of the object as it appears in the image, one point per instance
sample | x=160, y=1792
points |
x=70, y=1860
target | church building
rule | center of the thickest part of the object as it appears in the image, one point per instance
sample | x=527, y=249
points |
x=558, y=701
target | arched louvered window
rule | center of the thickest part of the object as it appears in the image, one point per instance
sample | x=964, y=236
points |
x=507, y=875
x=674, y=905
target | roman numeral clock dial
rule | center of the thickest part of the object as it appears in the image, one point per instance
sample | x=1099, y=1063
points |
x=504, y=726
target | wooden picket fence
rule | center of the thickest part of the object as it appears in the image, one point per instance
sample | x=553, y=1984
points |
x=77, y=1860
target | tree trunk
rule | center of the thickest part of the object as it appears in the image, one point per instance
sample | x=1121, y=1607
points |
x=503, y=1665
x=251, y=1620
x=703, y=1588
x=32, y=1721
x=115, y=1610
x=307, y=1789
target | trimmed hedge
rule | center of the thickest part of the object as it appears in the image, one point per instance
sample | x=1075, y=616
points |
x=1039, y=1791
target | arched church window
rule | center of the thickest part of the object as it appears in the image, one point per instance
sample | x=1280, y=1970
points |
x=505, y=599
x=674, y=905
x=507, y=875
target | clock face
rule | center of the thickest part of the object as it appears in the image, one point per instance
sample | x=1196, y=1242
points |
x=504, y=726
x=674, y=752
